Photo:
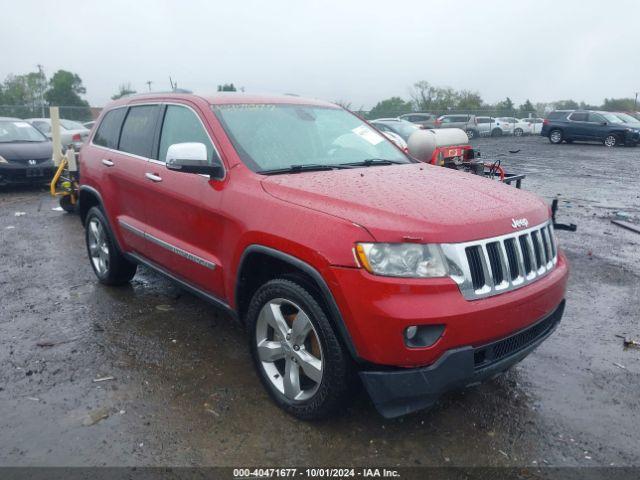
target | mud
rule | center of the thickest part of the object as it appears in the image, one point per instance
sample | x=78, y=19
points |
x=184, y=392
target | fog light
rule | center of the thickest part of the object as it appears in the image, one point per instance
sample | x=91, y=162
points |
x=411, y=332
x=420, y=336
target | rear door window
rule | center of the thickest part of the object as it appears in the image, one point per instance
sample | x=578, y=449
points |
x=579, y=117
x=182, y=125
x=138, y=129
x=108, y=131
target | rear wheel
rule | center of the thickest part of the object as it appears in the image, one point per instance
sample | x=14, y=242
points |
x=555, y=136
x=471, y=133
x=297, y=355
x=518, y=132
x=611, y=140
x=108, y=263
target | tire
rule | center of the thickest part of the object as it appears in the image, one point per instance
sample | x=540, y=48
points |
x=272, y=316
x=496, y=132
x=67, y=206
x=611, y=140
x=556, y=137
x=108, y=263
x=472, y=133
x=518, y=132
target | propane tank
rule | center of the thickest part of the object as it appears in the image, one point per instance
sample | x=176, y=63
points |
x=422, y=143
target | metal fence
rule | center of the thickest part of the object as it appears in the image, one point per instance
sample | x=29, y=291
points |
x=517, y=113
x=81, y=114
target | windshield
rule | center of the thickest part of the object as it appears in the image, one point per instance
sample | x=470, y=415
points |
x=610, y=117
x=279, y=136
x=70, y=125
x=626, y=118
x=18, y=131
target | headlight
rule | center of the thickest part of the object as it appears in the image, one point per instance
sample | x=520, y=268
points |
x=402, y=259
x=3, y=160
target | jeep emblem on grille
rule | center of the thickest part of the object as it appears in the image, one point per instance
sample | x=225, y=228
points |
x=519, y=222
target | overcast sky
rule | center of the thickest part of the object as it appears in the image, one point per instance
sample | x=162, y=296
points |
x=351, y=50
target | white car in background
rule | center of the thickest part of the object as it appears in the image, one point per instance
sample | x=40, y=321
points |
x=535, y=123
x=513, y=126
x=71, y=133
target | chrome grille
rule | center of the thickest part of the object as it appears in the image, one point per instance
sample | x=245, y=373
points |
x=501, y=264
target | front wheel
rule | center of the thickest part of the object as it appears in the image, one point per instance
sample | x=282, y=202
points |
x=518, y=132
x=496, y=132
x=611, y=140
x=108, y=263
x=471, y=134
x=298, y=357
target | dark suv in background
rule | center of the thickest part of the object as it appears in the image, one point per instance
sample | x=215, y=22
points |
x=586, y=125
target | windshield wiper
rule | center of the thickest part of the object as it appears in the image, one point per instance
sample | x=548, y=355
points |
x=311, y=167
x=374, y=161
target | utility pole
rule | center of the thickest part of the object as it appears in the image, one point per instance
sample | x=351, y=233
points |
x=41, y=87
x=149, y=82
x=635, y=103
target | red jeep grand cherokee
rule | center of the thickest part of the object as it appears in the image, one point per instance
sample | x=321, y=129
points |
x=340, y=253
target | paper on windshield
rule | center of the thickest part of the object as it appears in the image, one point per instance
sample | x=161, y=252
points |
x=367, y=134
x=22, y=125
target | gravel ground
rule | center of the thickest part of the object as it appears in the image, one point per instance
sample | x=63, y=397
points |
x=178, y=387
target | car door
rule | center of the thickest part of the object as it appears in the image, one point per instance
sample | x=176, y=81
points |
x=122, y=143
x=185, y=224
x=597, y=129
x=578, y=127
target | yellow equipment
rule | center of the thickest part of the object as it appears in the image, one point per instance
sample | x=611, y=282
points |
x=65, y=181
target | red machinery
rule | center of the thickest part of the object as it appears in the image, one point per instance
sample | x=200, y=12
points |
x=449, y=148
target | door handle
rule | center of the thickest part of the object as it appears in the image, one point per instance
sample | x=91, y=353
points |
x=153, y=177
x=107, y=163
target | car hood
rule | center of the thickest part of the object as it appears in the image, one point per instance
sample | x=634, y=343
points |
x=413, y=202
x=26, y=150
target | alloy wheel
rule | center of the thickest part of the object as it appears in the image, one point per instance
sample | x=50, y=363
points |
x=556, y=136
x=289, y=349
x=610, y=141
x=98, y=247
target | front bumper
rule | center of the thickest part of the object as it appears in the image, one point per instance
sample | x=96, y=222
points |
x=15, y=173
x=398, y=392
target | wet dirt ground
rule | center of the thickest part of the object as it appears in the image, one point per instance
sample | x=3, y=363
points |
x=180, y=388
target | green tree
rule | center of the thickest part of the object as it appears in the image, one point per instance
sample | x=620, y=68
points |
x=22, y=96
x=123, y=90
x=619, y=104
x=505, y=107
x=65, y=89
x=469, y=100
x=566, y=105
x=227, y=87
x=391, y=107
x=526, y=108
x=429, y=98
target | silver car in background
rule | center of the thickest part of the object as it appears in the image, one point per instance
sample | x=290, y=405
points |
x=71, y=132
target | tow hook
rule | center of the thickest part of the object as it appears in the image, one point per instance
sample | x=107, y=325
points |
x=571, y=227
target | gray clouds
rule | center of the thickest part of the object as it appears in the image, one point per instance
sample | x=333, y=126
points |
x=358, y=51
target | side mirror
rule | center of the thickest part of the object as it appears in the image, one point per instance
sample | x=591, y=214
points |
x=191, y=157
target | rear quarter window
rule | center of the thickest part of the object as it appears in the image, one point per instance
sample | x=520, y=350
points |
x=556, y=115
x=109, y=129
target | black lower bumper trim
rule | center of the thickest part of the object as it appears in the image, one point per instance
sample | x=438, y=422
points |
x=398, y=392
